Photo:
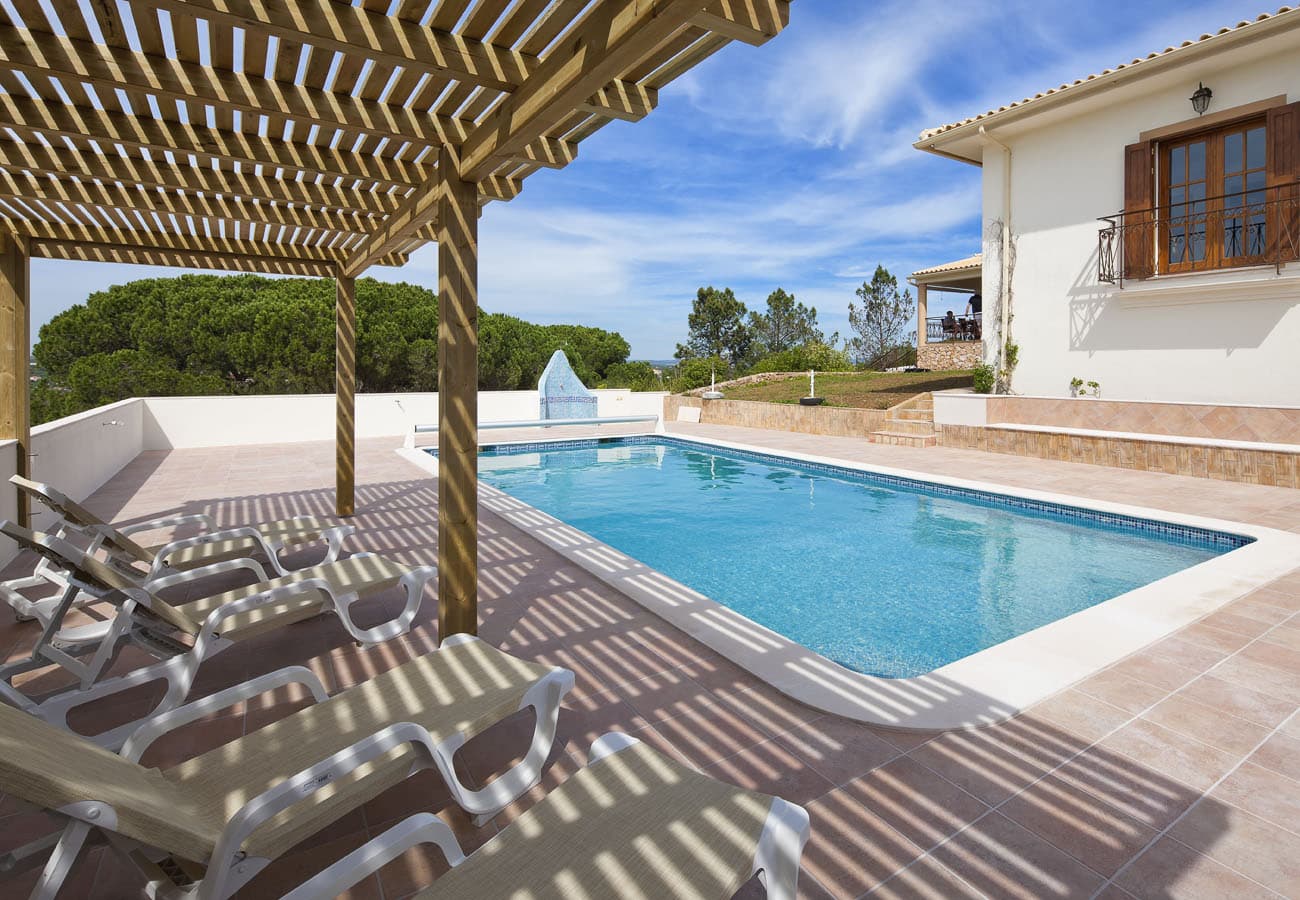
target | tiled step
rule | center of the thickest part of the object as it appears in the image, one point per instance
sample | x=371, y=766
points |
x=907, y=426
x=904, y=440
x=914, y=414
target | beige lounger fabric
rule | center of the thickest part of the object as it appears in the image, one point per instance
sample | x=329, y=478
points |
x=634, y=824
x=300, y=530
x=460, y=688
x=304, y=530
x=352, y=575
x=182, y=810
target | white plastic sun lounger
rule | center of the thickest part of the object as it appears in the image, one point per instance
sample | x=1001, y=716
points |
x=264, y=542
x=209, y=625
x=633, y=823
x=204, y=828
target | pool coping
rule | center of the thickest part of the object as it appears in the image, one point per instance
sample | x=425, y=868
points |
x=985, y=687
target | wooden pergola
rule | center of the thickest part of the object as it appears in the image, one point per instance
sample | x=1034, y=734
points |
x=318, y=138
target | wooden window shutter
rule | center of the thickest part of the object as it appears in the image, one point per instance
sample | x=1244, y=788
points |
x=1283, y=179
x=1139, y=198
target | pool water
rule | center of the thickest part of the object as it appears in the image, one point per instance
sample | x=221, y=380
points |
x=883, y=575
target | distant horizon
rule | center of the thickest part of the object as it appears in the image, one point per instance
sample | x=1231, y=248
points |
x=788, y=166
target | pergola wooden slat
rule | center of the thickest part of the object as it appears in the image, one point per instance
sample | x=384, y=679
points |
x=318, y=138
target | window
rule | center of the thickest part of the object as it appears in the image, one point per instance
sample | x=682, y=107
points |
x=1215, y=196
x=1212, y=211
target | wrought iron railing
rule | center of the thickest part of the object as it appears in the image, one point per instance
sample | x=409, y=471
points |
x=959, y=328
x=1255, y=228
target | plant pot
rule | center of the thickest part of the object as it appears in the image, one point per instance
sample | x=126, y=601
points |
x=811, y=401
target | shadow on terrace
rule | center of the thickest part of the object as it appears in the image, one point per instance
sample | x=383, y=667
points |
x=1053, y=803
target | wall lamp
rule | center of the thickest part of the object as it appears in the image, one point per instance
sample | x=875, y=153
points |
x=1201, y=99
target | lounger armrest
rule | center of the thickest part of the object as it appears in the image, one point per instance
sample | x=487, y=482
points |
x=413, y=582
x=212, y=624
x=170, y=522
x=146, y=734
x=160, y=558
x=216, y=568
x=284, y=794
x=379, y=851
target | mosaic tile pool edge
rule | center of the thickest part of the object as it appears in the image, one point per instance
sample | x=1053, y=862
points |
x=1186, y=533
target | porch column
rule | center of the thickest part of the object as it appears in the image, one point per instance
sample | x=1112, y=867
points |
x=457, y=399
x=922, y=309
x=345, y=384
x=15, y=349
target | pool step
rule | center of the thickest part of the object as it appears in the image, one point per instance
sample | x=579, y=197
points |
x=909, y=424
x=904, y=440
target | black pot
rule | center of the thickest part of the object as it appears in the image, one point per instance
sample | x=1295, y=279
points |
x=812, y=401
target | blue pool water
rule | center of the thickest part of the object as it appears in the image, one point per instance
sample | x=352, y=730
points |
x=886, y=576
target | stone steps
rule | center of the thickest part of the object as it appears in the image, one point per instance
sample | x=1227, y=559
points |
x=904, y=440
x=909, y=424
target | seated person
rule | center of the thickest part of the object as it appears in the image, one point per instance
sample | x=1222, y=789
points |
x=950, y=323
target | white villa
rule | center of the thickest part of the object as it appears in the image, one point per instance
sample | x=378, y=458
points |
x=1141, y=226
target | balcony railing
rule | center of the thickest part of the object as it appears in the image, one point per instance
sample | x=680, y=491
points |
x=961, y=328
x=1254, y=228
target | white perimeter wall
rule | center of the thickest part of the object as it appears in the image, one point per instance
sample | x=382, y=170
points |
x=80, y=453
x=1202, y=338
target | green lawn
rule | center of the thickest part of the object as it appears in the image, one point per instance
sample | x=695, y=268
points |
x=863, y=390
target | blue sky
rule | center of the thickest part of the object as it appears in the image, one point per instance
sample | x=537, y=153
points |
x=787, y=165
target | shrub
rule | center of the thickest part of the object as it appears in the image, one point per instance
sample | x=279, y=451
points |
x=696, y=373
x=983, y=377
x=639, y=376
x=816, y=356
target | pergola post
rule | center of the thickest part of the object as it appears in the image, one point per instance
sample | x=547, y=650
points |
x=345, y=383
x=457, y=399
x=922, y=309
x=15, y=345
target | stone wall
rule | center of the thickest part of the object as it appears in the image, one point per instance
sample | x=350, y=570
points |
x=1273, y=425
x=1279, y=468
x=829, y=420
x=950, y=355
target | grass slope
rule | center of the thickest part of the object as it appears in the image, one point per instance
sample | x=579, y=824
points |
x=862, y=390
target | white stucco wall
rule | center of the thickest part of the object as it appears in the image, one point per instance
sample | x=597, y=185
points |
x=1222, y=338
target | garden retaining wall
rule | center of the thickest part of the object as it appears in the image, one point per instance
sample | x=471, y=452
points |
x=829, y=420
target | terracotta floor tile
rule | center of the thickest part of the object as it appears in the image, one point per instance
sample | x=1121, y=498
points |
x=1084, y=826
x=1261, y=677
x=706, y=736
x=914, y=801
x=1143, y=794
x=1238, y=624
x=1238, y=699
x=852, y=849
x=1174, y=871
x=1170, y=753
x=1189, y=654
x=1263, y=793
x=1154, y=670
x=1001, y=859
x=1214, y=638
x=837, y=748
x=1244, y=843
x=1280, y=753
x=1286, y=635
x=987, y=766
x=1121, y=691
x=771, y=768
x=1271, y=654
x=769, y=709
x=1207, y=724
x=1078, y=714
x=926, y=879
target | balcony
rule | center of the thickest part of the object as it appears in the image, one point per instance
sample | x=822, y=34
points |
x=1258, y=228
x=939, y=329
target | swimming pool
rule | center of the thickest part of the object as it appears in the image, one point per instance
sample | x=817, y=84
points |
x=886, y=576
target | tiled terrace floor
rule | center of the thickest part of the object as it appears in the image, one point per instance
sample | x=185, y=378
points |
x=1175, y=773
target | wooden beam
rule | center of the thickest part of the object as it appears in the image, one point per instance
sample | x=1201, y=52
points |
x=624, y=100
x=754, y=22
x=227, y=210
x=180, y=259
x=42, y=55
x=214, y=245
x=612, y=38
x=15, y=349
x=457, y=402
x=358, y=31
x=113, y=167
x=548, y=152
x=345, y=385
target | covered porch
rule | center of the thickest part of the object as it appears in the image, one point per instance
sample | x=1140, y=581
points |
x=949, y=332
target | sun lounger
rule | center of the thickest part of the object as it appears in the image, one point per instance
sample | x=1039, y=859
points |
x=185, y=635
x=205, y=827
x=264, y=542
x=633, y=823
